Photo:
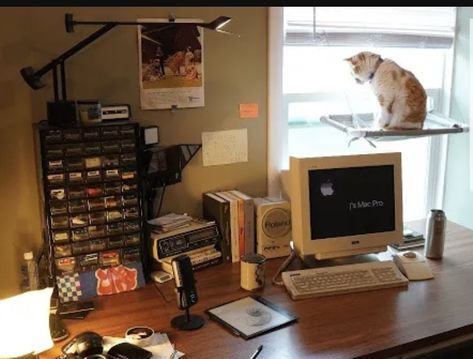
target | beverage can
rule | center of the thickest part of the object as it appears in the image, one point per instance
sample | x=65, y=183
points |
x=435, y=234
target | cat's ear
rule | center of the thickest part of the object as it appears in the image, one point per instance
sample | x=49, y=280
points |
x=351, y=59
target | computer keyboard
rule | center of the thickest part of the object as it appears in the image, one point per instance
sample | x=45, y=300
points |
x=318, y=282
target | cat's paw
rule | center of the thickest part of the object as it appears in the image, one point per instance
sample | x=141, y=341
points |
x=383, y=122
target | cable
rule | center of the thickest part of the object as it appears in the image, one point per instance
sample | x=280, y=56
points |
x=161, y=293
x=283, y=267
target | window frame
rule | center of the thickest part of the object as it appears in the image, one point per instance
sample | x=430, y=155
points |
x=278, y=111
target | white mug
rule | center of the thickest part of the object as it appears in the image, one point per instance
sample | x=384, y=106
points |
x=252, y=271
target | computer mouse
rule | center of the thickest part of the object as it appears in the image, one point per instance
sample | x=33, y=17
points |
x=413, y=265
x=84, y=344
x=410, y=254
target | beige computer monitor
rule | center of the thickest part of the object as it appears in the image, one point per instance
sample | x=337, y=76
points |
x=338, y=231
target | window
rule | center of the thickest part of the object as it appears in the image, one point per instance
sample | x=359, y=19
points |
x=316, y=81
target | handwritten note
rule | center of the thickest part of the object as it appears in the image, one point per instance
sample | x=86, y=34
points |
x=249, y=110
x=224, y=147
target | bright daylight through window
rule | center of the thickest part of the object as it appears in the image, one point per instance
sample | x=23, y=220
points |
x=316, y=82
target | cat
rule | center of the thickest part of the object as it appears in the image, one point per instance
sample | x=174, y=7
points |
x=175, y=61
x=400, y=95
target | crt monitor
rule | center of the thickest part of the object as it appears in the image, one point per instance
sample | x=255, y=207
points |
x=345, y=205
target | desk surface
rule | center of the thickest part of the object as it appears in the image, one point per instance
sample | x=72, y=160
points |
x=377, y=323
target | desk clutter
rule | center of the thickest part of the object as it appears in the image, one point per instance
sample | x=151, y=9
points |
x=140, y=342
x=92, y=208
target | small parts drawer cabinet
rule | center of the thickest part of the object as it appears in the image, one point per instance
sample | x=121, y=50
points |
x=92, y=204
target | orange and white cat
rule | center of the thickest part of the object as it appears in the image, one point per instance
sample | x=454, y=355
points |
x=400, y=95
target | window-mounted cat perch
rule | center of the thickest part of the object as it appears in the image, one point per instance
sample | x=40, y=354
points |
x=363, y=126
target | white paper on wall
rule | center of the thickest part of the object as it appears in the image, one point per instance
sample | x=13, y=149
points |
x=224, y=147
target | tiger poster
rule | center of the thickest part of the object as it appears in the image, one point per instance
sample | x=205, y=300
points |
x=171, y=63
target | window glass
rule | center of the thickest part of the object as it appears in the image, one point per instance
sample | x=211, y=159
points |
x=317, y=82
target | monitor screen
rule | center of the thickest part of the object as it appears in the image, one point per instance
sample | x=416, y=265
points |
x=345, y=205
x=350, y=201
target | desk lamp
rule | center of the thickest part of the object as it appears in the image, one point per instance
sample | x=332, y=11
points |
x=63, y=111
x=24, y=326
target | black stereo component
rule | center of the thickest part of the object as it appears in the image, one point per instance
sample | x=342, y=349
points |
x=62, y=113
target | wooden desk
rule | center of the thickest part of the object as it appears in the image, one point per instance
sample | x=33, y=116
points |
x=379, y=323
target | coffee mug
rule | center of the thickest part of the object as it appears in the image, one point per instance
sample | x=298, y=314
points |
x=252, y=271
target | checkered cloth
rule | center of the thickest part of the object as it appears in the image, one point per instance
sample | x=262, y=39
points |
x=69, y=287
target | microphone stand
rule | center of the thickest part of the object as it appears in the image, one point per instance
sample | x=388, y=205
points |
x=186, y=321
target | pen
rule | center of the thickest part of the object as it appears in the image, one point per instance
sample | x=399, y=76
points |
x=256, y=353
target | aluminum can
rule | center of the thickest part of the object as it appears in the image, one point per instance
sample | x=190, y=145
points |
x=435, y=234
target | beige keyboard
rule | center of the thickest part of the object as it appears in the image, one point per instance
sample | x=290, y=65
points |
x=318, y=282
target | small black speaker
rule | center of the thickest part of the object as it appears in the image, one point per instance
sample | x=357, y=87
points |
x=62, y=113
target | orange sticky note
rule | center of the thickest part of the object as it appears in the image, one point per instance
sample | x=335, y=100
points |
x=248, y=110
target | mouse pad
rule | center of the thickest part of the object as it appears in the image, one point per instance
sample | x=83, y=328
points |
x=250, y=316
x=129, y=351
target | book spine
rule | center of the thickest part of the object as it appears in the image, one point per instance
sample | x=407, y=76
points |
x=233, y=225
x=248, y=221
x=240, y=221
x=250, y=226
x=241, y=227
x=219, y=211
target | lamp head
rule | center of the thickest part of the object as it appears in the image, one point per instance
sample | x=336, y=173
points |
x=31, y=78
x=69, y=22
x=24, y=328
x=218, y=23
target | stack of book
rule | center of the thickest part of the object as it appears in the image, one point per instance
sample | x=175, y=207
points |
x=411, y=239
x=234, y=213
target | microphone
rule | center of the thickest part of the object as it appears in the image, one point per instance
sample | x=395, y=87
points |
x=186, y=293
x=185, y=282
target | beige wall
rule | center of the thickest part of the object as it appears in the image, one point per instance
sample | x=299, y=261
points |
x=235, y=72
x=20, y=220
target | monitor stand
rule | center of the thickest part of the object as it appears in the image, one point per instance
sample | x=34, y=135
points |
x=311, y=262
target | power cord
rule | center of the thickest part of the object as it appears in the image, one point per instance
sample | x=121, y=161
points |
x=284, y=265
x=161, y=293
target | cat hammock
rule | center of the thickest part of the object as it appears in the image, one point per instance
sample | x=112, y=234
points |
x=364, y=126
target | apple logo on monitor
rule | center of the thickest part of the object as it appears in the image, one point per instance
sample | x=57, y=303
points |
x=326, y=188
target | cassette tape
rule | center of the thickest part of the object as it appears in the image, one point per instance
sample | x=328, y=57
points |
x=115, y=112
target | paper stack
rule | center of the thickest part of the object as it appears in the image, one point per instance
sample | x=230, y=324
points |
x=169, y=222
x=161, y=347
